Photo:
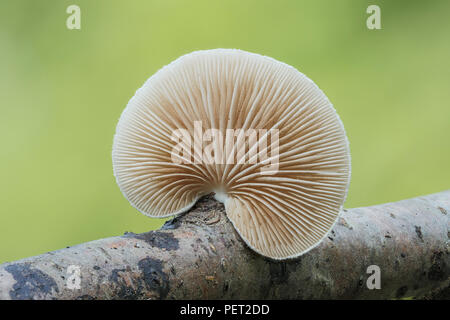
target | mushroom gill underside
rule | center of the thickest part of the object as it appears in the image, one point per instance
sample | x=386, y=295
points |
x=255, y=131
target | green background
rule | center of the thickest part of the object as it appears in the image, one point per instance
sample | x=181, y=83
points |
x=62, y=92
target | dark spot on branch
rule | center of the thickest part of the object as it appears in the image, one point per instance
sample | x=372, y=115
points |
x=361, y=281
x=159, y=239
x=115, y=275
x=226, y=286
x=30, y=283
x=171, y=224
x=155, y=278
x=150, y=282
x=419, y=232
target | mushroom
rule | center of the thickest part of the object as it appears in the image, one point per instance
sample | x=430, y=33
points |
x=255, y=131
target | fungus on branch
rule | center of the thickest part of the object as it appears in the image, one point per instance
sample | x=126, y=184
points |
x=255, y=131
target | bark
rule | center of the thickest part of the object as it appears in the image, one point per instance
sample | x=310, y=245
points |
x=199, y=256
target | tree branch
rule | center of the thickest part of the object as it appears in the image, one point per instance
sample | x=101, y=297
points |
x=199, y=256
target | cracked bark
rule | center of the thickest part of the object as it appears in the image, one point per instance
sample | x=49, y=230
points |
x=199, y=256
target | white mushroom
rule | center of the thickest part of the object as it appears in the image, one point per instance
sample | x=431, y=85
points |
x=282, y=174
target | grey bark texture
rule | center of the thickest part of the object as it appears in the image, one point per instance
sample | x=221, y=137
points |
x=200, y=256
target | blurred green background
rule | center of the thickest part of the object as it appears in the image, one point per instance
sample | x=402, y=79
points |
x=62, y=92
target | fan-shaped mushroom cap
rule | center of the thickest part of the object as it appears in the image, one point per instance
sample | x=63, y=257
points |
x=281, y=205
